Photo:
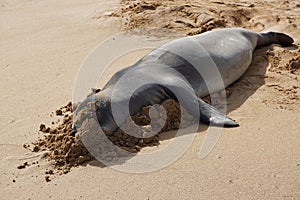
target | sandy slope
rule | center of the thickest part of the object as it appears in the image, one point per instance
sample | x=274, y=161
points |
x=42, y=46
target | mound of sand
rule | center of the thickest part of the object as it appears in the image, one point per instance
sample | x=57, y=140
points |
x=193, y=17
x=63, y=146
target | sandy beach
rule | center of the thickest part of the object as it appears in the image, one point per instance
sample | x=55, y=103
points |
x=43, y=44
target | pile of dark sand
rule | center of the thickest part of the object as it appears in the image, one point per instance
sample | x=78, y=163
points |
x=65, y=150
x=59, y=142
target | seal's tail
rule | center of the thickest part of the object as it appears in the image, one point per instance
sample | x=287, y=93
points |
x=274, y=37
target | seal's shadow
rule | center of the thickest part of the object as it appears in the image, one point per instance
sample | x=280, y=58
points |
x=240, y=91
x=253, y=79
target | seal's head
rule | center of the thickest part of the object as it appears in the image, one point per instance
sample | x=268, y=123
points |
x=96, y=105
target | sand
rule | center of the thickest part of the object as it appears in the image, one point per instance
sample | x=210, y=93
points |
x=42, y=47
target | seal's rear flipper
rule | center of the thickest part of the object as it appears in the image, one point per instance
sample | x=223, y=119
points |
x=274, y=37
x=283, y=39
x=210, y=115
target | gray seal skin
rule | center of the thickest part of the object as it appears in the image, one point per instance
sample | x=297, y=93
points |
x=231, y=51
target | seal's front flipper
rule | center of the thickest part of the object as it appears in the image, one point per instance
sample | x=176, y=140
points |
x=210, y=115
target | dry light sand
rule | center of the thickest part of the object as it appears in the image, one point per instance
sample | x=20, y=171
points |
x=43, y=44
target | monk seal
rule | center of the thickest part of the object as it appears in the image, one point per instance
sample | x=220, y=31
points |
x=176, y=65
